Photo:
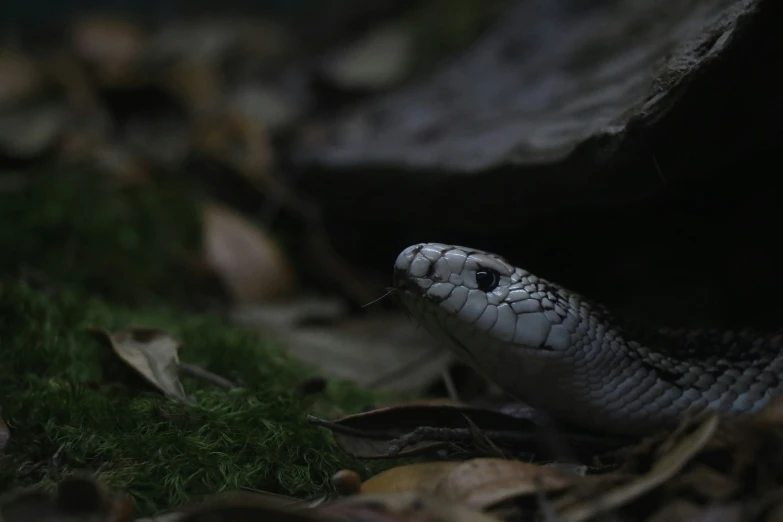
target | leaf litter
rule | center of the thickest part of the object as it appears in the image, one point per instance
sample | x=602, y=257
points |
x=152, y=353
x=711, y=467
x=426, y=426
x=248, y=261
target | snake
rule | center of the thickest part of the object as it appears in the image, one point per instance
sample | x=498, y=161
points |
x=572, y=358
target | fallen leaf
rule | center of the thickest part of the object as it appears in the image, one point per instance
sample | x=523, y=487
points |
x=5, y=434
x=422, y=478
x=153, y=354
x=400, y=507
x=481, y=483
x=111, y=44
x=666, y=467
x=368, y=434
x=381, y=351
x=245, y=258
x=19, y=76
x=415, y=428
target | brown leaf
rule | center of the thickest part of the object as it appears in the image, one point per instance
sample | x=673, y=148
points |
x=422, y=478
x=19, y=76
x=400, y=507
x=112, y=45
x=481, y=483
x=368, y=434
x=381, y=351
x=5, y=434
x=666, y=467
x=244, y=256
x=153, y=354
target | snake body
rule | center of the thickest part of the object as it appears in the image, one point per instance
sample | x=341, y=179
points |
x=570, y=357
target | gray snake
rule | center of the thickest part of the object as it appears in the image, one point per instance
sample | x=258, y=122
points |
x=570, y=357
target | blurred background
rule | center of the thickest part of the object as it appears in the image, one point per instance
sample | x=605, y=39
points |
x=267, y=160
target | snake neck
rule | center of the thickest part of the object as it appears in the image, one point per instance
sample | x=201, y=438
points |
x=571, y=357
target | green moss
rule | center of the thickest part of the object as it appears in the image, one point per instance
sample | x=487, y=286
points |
x=131, y=244
x=72, y=406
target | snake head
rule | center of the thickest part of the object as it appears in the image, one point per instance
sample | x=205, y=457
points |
x=473, y=298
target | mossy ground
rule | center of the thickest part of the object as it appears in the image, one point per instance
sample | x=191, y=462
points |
x=130, y=244
x=73, y=406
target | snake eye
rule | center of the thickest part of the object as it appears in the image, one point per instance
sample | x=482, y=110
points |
x=487, y=279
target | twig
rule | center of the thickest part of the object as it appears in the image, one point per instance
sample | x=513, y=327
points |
x=455, y=435
x=389, y=291
x=482, y=441
x=354, y=432
x=200, y=373
x=451, y=388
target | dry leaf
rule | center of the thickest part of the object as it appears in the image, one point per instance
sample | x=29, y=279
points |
x=481, y=483
x=243, y=255
x=19, y=76
x=423, y=478
x=400, y=507
x=152, y=353
x=666, y=467
x=111, y=44
x=368, y=434
x=383, y=351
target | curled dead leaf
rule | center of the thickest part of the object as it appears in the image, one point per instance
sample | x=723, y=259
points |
x=245, y=257
x=667, y=466
x=481, y=483
x=153, y=354
x=369, y=434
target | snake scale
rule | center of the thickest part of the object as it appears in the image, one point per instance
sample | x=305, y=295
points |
x=570, y=357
